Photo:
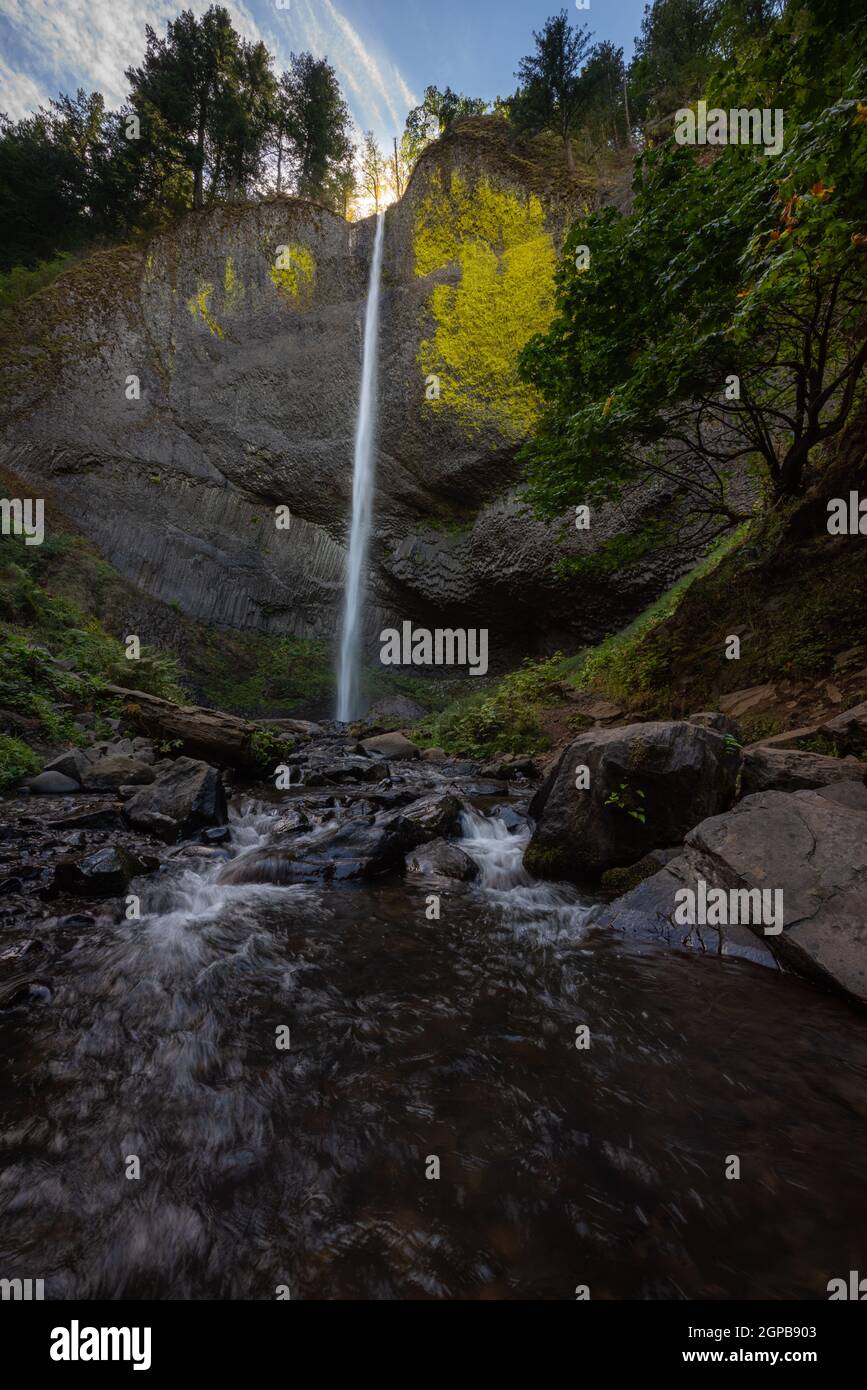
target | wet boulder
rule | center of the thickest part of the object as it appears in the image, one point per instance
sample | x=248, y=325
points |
x=439, y=859
x=187, y=796
x=104, y=873
x=615, y=794
x=430, y=818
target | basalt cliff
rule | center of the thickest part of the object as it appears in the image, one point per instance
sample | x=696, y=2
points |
x=168, y=397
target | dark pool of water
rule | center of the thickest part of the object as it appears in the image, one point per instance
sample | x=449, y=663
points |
x=413, y=1038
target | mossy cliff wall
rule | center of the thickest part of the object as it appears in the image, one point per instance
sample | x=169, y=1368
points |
x=169, y=398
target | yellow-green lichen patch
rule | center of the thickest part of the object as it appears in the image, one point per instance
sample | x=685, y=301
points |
x=504, y=296
x=233, y=289
x=293, y=272
x=198, y=305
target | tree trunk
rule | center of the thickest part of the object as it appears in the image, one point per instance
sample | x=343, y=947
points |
x=570, y=158
x=280, y=163
x=199, y=173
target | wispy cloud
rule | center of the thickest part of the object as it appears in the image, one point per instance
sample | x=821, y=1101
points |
x=63, y=44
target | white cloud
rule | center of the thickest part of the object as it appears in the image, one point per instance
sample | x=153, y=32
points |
x=62, y=44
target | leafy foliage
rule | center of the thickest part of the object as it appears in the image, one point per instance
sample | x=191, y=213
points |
x=504, y=721
x=732, y=266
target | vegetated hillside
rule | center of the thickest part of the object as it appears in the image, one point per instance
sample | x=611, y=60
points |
x=794, y=594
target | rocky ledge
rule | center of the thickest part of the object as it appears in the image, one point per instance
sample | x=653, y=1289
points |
x=758, y=852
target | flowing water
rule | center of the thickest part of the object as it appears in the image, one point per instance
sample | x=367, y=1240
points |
x=413, y=1038
x=362, y=496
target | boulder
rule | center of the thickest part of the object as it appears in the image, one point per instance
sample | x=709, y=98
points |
x=187, y=796
x=714, y=719
x=848, y=730
x=53, y=784
x=648, y=785
x=439, y=859
x=790, y=770
x=105, y=873
x=811, y=845
x=116, y=771
x=435, y=755
x=395, y=747
x=71, y=764
x=430, y=818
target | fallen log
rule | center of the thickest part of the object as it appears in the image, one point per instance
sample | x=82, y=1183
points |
x=225, y=740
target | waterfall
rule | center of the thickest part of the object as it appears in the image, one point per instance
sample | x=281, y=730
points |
x=362, y=497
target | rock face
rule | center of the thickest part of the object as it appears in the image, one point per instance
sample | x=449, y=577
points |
x=212, y=376
x=789, y=770
x=811, y=845
x=648, y=785
x=185, y=798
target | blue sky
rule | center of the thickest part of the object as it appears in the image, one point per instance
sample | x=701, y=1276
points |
x=385, y=51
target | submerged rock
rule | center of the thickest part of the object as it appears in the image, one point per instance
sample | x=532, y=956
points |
x=648, y=785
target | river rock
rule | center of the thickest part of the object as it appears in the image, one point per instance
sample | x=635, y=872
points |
x=105, y=873
x=790, y=770
x=431, y=817
x=394, y=746
x=439, y=859
x=72, y=764
x=116, y=771
x=649, y=784
x=53, y=784
x=509, y=767
x=189, y=795
x=435, y=755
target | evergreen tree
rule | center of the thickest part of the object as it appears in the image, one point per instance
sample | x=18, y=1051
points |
x=550, y=97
